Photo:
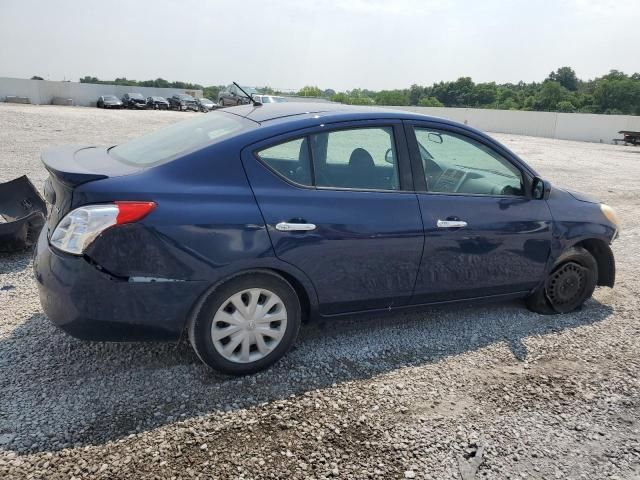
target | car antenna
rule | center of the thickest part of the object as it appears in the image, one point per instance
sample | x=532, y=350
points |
x=250, y=97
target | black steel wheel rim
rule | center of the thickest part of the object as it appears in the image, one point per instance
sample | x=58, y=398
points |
x=567, y=285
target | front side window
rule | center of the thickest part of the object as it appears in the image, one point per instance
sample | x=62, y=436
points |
x=457, y=164
x=289, y=159
x=360, y=158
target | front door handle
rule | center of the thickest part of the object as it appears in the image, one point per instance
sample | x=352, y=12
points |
x=451, y=224
x=295, y=227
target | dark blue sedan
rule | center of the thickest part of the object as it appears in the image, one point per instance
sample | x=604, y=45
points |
x=234, y=227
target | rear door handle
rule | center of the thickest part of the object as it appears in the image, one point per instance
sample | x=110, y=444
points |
x=295, y=227
x=451, y=224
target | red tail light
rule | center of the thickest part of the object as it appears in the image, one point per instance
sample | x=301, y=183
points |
x=129, y=212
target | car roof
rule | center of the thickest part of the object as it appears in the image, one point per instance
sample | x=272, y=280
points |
x=273, y=112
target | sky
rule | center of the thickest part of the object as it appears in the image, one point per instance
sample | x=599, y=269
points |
x=347, y=44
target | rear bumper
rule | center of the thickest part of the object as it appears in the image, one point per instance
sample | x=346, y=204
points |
x=91, y=305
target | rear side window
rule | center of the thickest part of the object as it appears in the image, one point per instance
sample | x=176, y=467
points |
x=180, y=138
x=289, y=159
x=360, y=158
x=357, y=158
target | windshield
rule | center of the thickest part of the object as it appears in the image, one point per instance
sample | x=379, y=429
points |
x=158, y=99
x=109, y=97
x=137, y=96
x=177, y=139
x=185, y=97
x=205, y=100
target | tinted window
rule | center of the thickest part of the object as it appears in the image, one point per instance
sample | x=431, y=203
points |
x=290, y=159
x=457, y=164
x=181, y=137
x=362, y=158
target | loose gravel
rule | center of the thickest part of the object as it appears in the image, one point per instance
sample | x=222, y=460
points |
x=481, y=392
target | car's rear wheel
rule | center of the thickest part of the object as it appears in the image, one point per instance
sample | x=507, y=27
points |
x=246, y=324
x=571, y=282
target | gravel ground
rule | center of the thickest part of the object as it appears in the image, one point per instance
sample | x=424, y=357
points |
x=484, y=392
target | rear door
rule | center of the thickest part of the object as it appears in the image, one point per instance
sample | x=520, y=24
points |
x=339, y=205
x=484, y=234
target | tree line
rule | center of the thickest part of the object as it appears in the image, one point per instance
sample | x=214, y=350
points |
x=562, y=91
x=157, y=83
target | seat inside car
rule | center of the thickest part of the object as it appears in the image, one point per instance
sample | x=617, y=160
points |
x=362, y=170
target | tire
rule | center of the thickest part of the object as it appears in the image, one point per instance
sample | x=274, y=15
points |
x=258, y=289
x=571, y=282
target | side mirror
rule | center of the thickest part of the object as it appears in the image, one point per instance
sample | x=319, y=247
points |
x=540, y=189
x=435, y=137
x=389, y=156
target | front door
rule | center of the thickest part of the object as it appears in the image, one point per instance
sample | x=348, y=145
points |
x=484, y=235
x=337, y=205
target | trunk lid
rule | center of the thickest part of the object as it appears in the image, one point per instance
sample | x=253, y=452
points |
x=74, y=165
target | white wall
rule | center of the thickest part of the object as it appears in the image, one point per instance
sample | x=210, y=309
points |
x=583, y=127
x=83, y=94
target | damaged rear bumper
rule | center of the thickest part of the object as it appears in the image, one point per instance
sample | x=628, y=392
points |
x=92, y=305
x=22, y=212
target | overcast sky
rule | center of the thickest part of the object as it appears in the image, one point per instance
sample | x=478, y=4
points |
x=333, y=44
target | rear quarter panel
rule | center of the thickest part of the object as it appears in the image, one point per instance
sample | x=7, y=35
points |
x=206, y=219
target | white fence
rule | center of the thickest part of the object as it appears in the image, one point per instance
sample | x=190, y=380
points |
x=42, y=92
x=567, y=126
x=583, y=127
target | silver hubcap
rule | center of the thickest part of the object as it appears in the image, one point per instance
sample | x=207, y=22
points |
x=249, y=325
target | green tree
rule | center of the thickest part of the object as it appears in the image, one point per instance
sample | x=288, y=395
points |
x=566, y=77
x=430, y=102
x=392, y=97
x=550, y=95
x=485, y=94
x=211, y=92
x=415, y=93
x=310, y=91
x=619, y=95
x=355, y=97
x=565, y=106
x=529, y=103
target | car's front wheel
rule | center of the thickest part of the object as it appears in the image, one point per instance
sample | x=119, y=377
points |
x=571, y=282
x=246, y=324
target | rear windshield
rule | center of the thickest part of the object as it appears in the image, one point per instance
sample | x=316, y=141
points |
x=180, y=138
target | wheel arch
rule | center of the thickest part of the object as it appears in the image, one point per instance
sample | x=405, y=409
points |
x=303, y=288
x=603, y=255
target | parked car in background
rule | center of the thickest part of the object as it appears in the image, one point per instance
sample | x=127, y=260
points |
x=232, y=96
x=134, y=100
x=108, y=101
x=182, y=101
x=205, y=105
x=233, y=227
x=268, y=98
x=157, y=103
